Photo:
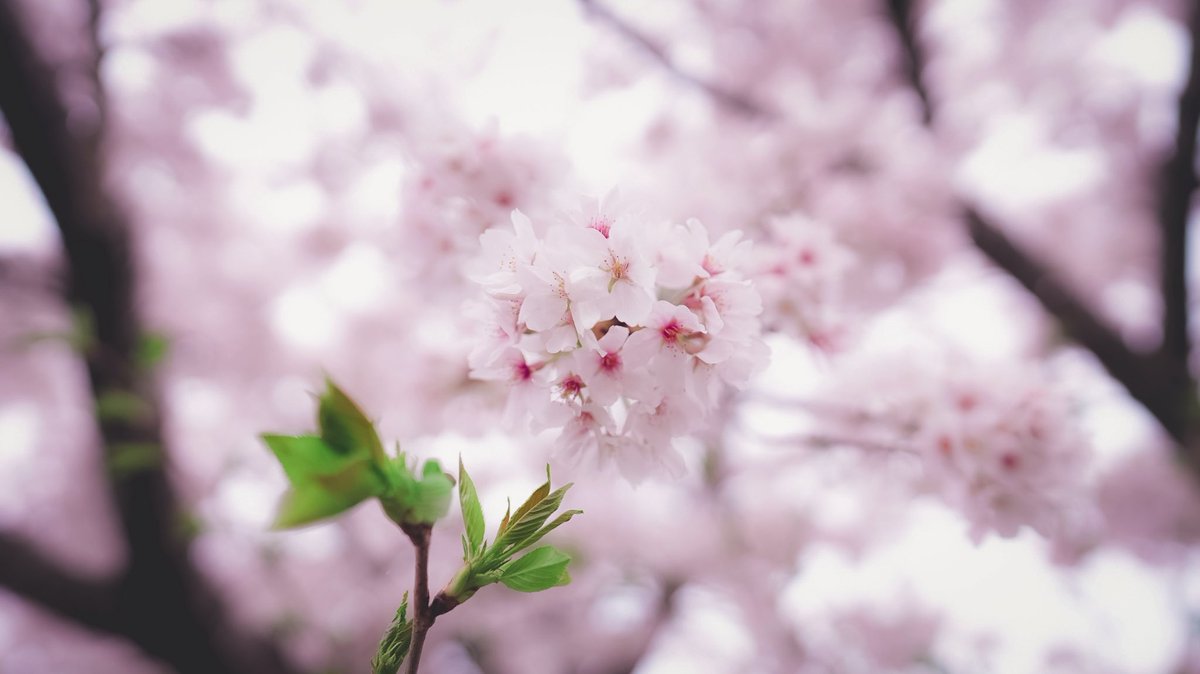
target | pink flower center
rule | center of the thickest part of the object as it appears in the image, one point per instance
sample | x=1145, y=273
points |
x=571, y=385
x=671, y=331
x=601, y=224
x=522, y=371
x=610, y=362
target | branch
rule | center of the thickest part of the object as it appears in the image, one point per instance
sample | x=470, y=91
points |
x=423, y=617
x=1178, y=181
x=1147, y=377
x=163, y=604
x=36, y=578
x=1143, y=375
x=734, y=101
x=900, y=12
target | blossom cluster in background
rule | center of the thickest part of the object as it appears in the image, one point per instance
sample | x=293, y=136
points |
x=1006, y=449
x=621, y=332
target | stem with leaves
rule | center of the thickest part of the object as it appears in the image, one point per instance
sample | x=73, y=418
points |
x=345, y=464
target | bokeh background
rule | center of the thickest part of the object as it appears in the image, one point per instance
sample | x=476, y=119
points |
x=961, y=209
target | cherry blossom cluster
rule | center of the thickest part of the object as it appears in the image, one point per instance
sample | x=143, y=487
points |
x=1004, y=448
x=620, y=332
x=464, y=181
x=802, y=276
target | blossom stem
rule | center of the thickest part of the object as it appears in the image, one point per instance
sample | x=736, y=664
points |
x=420, y=535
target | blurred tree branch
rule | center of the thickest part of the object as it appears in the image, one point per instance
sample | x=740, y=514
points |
x=1143, y=375
x=900, y=13
x=1175, y=205
x=161, y=602
x=733, y=100
x=1159, y=381
x=36, y=578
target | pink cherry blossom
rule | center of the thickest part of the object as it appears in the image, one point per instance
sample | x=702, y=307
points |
x=617, y=365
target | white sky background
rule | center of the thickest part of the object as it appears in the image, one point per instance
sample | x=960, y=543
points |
x=524, y=70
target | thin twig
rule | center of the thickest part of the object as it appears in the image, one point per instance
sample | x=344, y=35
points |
x=735, y=101
x=423, y=618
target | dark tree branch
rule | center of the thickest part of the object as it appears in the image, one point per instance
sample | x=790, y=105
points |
x=730, y=99
x=162, y=603
x=1178, y=182
x=38, y=579
x=423, y=616
x=1143, y=375
x=1151, y=379
x=900, y=12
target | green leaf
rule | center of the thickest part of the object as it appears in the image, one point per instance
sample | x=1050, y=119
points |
x=525, y=524
x=324, y=482
x=558, y=521
x=507, y=515
x=189, y=525
x=344, y=426
x=393, y=648
x=151, y=349
x=309, y=503
x=412, y=501
x=127, y=458
x=530, y=503
x=541, y=569
x=306, y=457
x=431, y=499
x=472, y=511
x=124, y=406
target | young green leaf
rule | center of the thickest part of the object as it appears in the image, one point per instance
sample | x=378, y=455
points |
x=306, y=456
x=344, y=425
x=128, y=458
x=541, y=569
x=431, y=499
x=125, y=406
x=324, y=481
x=307, y=503
x=507, y=515
x=393, y=648
x=472, y=511
x=530, y=503
x=412, y=501
x=525, y=524
x=558, y=521
x=152, y=347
